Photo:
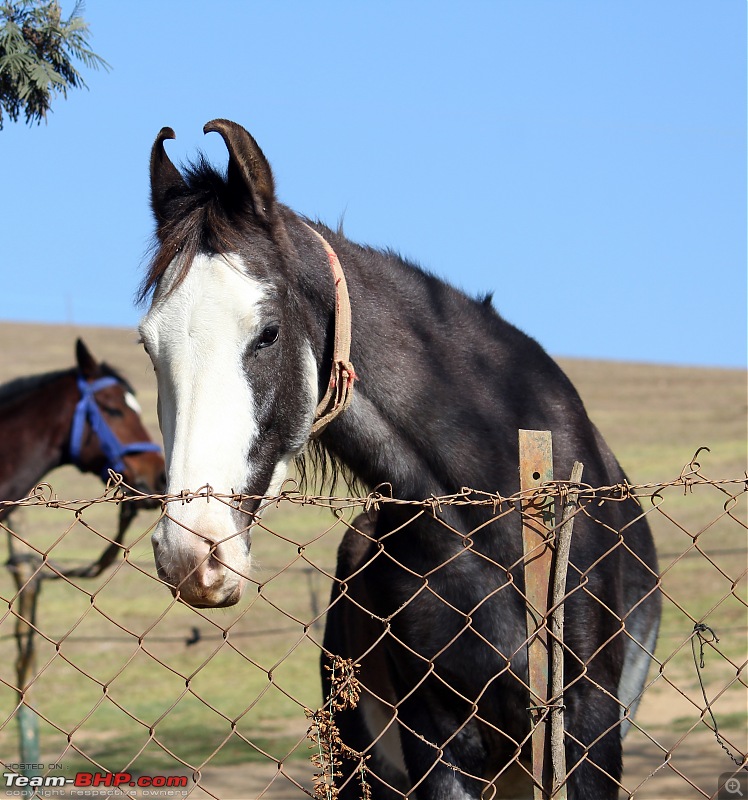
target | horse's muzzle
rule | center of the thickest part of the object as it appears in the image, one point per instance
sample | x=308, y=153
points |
x=143, y=489
x=205, y=571
x=146, y=474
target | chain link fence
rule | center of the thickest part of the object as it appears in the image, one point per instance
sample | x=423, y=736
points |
x=112, y=684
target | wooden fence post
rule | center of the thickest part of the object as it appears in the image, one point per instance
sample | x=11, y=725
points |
x=561, y=566
x=25, y=568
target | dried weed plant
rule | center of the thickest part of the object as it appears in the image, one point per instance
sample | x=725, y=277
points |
x=328, y=748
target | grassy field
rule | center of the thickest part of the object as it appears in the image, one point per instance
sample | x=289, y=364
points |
x=128, y=680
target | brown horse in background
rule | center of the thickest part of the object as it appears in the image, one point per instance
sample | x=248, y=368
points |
x=86, y=415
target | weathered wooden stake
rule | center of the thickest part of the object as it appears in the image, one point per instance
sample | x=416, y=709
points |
x=535, y=469
x=25, y=569
x=563, y=545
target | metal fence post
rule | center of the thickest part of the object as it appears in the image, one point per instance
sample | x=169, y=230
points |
x=538, y=516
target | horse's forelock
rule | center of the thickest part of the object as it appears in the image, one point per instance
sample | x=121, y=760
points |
x=203, y=217
x=110, y=372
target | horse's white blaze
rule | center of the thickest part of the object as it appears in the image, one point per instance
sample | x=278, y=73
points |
x=197, y=336
x=133, y=403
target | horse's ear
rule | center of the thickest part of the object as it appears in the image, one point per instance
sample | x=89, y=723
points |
x=249, y=173
x=88, y=366
x=165, y=177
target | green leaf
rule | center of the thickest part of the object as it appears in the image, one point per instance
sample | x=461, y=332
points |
x=37, y=53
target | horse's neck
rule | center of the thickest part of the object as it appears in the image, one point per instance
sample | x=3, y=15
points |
x=34, y=433
x=378, y=436
x=444, y=383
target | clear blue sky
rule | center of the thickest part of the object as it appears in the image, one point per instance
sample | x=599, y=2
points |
x=584, y=161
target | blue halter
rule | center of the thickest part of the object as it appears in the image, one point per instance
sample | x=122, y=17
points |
x=88, y=410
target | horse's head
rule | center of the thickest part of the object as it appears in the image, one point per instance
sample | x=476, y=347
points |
x=237, y=377
x=107, y=432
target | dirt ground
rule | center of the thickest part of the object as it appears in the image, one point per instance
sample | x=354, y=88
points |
x=691, y=772
x=691, y=769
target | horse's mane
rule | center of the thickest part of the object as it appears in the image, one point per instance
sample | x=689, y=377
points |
x=203, y=216
x=108, y=371
x=320, y=472
x=18, y=387
x=27, y=384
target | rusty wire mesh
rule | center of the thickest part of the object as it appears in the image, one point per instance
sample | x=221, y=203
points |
x=126, y=679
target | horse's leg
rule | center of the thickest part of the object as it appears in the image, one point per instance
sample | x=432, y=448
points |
x=594, y=714
x=448, y=774
x=642, y=608
x=384, y=770
x=593, y=740
x=352, y=633
x=443, y=750
x=593, y=757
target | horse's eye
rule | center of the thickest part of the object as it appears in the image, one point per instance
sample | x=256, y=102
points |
x=268, y=336
x=111, y=410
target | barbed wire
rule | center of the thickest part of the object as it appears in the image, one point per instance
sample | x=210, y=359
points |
x=117, y=492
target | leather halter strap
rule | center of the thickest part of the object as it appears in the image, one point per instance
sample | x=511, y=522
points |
x=340, y=388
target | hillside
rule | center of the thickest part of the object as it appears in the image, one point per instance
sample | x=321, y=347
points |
x=654, y=417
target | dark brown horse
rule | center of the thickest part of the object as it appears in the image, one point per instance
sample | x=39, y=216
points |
x=87, y=416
